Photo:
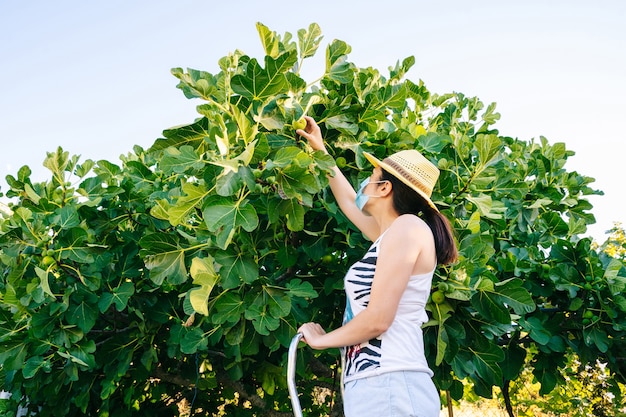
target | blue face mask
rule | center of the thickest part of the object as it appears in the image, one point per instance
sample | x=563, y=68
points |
x=361, y=199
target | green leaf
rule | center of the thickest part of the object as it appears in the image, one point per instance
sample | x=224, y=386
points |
x=612, y=269
x=576, y=304
x=400, y=70
x=248, y=130
x=338, y=68
x=229, y=183
x=24, y=173
x=193, y=341
x=512, y=294
x=598, y=337
x=489, y=148
x=66, y=217
x=490, y=116
x=200, y=84
x=106, y=170
x=223, y=212
x=486, y=359
x=108, y=388
x=32, y=194
x=294, y=213
x=513, y=363
x=32, y=366
x=301, y=289
x=493, y=301
x=442, y=344
x=262, y=320
x=309, y=40
x=236, y=268
x=160, y=210
x=576, y=226
x=82, y=354
x=554, y=224
x=477, y=248
x=169, y=265
x=279, y=303
x=85, y=168
x=75, y=247
x=257, y=83
x=12, y=355
x=157, y=243
x=186, y=205
x=229, y=308
x=391, y=96
x=164, y=258
x=203, y=273
x=140, y=174
x=270, y=376
x=43, y=278
x=236, y=334
x=179, y=160
x=344, y=123
x=537, y=331
x=487, y=207
x=42, y=324
x=440, y=313
x=269, y=40
x=119, y=297
x=620, y=301
x=474, y=222
x=83, y=314
x=57, y=162
x=192, y=134
x=284, y=157
x=91, y=188
x=24, y=214
x=488, y=304
x=433, y=142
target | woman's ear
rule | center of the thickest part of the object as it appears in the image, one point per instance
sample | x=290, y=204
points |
x=385, y=188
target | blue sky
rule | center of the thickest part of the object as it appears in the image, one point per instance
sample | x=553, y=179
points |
x=94, y=77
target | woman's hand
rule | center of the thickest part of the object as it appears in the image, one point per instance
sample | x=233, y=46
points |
x=312, y=334
x=313, y=135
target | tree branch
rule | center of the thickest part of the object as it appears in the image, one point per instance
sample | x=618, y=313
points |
x=175, y=379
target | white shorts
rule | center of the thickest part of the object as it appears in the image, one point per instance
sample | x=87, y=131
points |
x=392, y=394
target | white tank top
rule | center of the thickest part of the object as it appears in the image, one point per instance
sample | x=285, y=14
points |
x=401, y=347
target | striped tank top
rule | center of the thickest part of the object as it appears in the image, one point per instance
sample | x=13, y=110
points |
x=401, y=347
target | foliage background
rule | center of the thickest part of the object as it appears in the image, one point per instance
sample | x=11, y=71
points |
x=193, y=262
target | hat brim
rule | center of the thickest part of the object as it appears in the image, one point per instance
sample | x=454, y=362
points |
x=378, y=163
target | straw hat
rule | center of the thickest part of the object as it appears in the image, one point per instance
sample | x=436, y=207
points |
x=412, y=168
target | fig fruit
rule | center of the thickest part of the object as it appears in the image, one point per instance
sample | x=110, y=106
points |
x=299, y=124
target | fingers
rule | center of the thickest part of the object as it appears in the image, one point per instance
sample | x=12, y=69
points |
x=302, y=330
x=309, y=330
x=311, y=124
x=311, y=127
x=312, y=133
x=313, y=335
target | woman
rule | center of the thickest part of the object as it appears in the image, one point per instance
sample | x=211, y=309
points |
x=385, y=372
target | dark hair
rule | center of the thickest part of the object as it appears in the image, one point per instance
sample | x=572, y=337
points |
x=407, y=201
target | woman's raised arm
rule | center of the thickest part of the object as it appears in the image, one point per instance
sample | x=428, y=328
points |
x=340, y=186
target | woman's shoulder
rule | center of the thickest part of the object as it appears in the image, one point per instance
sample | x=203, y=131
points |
x=408, y=234
x=410, y=221
x=409, y=226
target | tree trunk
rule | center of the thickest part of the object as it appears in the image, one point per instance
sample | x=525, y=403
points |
x=507, y=398
x=449, y=404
